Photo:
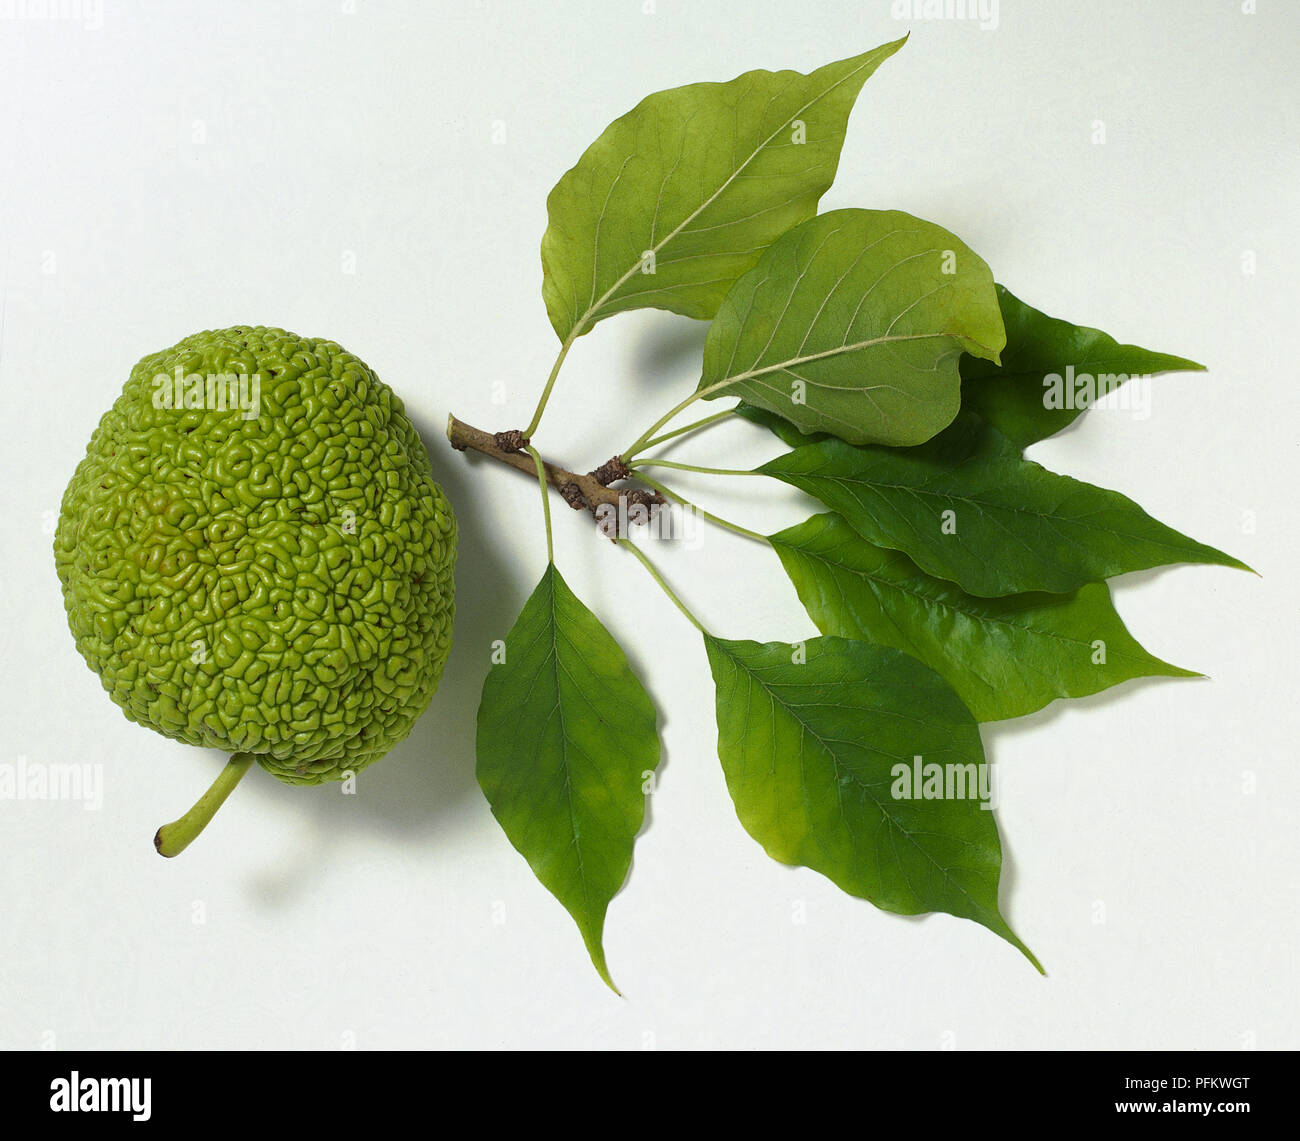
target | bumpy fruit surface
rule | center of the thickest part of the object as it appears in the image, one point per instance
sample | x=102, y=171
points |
x=278, y=585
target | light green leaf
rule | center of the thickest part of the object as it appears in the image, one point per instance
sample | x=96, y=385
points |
x=968, y=508
x=566, y=740
x=677, y=198
x=817, y=744
x=1082, y=362
x=853, y=323
x=1005, y=657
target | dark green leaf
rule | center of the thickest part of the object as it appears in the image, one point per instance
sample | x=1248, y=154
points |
x=1081, y=363
x=853, y=323
x=1004, y=656
x=677, y=198
x=817, y=743
x=968, y=508
x=566, y=740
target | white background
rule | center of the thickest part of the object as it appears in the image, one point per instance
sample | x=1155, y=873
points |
x=183, y=167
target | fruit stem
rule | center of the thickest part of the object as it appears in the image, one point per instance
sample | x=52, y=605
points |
x=172, y=839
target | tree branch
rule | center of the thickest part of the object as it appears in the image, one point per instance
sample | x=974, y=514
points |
x=581, y=492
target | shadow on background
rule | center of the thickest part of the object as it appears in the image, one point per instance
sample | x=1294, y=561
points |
x=995, y=731
x=669, y=351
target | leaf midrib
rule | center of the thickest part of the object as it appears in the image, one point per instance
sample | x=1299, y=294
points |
x=990, y=508
x=894, y=823
x=941, y=604
x=613, y=289
x=837, y=350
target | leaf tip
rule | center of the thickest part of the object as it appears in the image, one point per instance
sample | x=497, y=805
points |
x=890, y=47
x=1237, y=564
x=597, y=953
x=1003, y=928
x=1028, y=954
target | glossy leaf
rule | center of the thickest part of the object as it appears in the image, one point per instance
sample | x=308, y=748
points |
x=811, y=739
x=677, y=198
x=1005, y=657
x=968, y=508
x=1081, y=363
x=566, y=738
x=853, y=323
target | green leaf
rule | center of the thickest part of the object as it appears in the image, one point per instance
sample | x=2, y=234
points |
x=853, y=323
x=1081, y=362
x=815, y=742
x=566, y=738
x=1005, y=657
x=968, y=508
x=677, y=198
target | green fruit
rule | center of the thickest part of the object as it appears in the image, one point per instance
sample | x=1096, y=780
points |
x=274, y=580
